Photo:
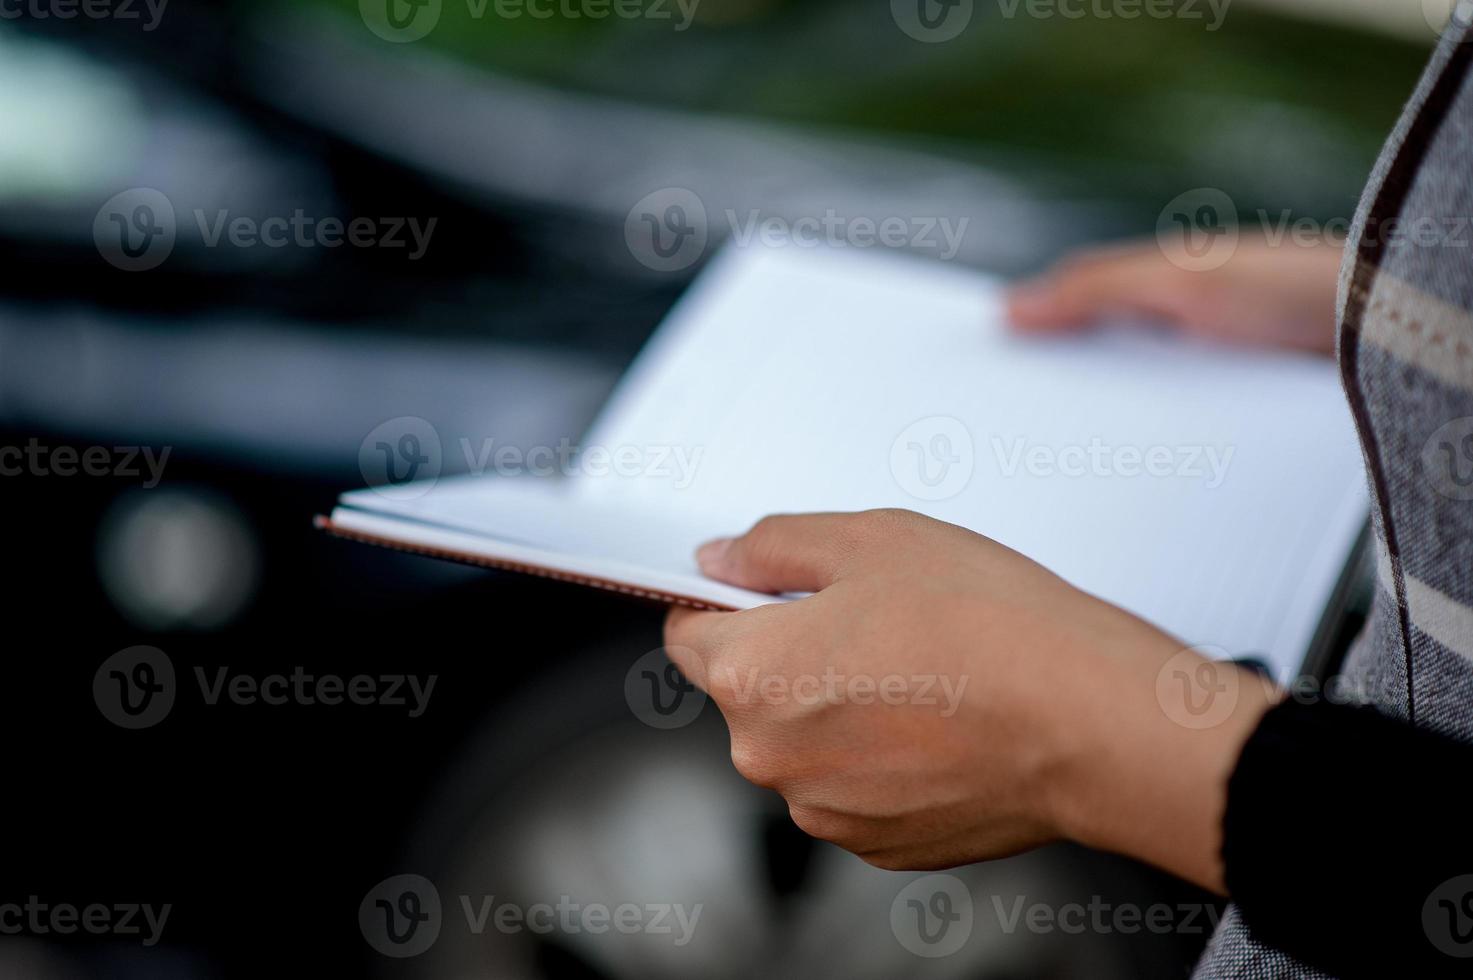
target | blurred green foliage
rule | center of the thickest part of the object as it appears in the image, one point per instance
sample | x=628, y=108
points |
x=1278, y=112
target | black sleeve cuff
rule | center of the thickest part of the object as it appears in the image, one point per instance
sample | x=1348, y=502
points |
x=1345, y=835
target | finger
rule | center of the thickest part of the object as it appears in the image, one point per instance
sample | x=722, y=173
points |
x=797, y=552
x=708, y=646
x=692, y=637
x=1034, y=308
x=1087, y=288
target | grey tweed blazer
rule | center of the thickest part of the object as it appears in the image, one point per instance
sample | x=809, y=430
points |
x=1406, y=360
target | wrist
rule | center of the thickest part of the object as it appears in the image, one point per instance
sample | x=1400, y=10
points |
x=1147, y=751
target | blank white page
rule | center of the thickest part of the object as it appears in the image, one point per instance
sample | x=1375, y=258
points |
x=820, y=379
x=543, y=523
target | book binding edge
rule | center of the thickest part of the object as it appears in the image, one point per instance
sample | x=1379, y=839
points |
x=326, y=524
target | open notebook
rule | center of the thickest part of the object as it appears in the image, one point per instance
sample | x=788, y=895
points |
x=1215, y=492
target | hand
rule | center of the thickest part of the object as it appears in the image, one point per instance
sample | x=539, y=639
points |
x=941, y=699
x=1265, y=295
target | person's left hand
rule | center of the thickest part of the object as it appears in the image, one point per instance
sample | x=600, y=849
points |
x=942, y=699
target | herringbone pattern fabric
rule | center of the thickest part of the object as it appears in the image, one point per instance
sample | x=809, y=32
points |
x=1406, y=356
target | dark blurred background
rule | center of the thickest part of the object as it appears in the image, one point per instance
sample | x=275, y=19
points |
x=261, y=371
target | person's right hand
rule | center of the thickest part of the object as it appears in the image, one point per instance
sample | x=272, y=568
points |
x=1265, y=295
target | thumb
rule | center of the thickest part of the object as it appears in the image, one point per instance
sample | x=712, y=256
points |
x=789, y=552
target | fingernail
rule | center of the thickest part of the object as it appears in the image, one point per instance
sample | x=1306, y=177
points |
x=711, y=554
x=1028, y=302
